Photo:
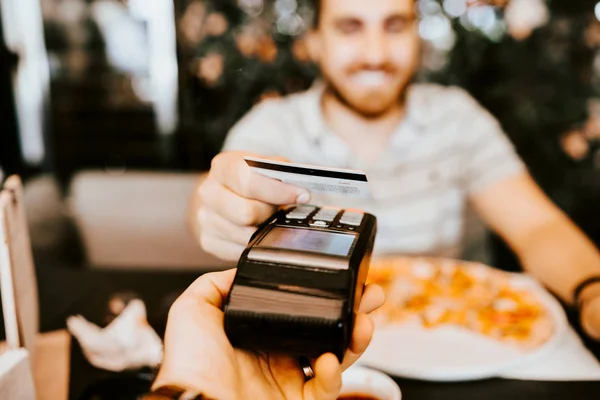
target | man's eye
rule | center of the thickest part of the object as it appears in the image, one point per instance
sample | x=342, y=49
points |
x=349, y=26
x=397, y=25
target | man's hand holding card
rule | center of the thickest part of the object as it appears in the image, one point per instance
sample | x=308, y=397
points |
x=242, y=190
x=232, y=200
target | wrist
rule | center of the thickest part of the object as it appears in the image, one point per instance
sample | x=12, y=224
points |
x=172, y=378
x=174, y=392
x=209, y=390
x=158, y=383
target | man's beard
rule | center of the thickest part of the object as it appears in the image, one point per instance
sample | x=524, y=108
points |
x=368, y=114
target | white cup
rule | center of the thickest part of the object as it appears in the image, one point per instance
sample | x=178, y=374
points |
x=366, y=381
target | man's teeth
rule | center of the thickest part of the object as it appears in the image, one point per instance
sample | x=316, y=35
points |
x=370, y=78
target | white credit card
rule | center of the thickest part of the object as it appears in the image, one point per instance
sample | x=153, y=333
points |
x=325, y=180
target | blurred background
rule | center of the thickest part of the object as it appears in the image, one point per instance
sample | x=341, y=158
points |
x=122, y=85
x=110, y=108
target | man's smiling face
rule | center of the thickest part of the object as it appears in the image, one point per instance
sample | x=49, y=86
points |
x=368, y=51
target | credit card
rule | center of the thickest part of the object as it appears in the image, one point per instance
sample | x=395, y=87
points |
x=316, y=179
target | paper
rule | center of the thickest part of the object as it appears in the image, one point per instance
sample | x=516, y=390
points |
x=127, y=343
x=16, y=381
x=570, y=361
x=330, y=181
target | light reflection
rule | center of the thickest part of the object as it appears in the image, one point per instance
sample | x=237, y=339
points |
x=252, y=7
x=72, y=11
x=291, y=25
x=524, y=16
x=466, y=23
x=482, y=17
x=24, y=35
x=436, y=30
x=455, y=8
x=429, y=7
x=285, y=7
x=497, y=32
x=159, y=17
x=597, y=11
x=446, y=42
x=125, y=36
x=434, y=27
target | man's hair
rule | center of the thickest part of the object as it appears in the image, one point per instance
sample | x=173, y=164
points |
x=317, y=5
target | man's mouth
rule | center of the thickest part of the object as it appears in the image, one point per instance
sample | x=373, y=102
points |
x=371, y=78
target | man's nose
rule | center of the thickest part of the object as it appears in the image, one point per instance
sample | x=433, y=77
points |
x=375, y=50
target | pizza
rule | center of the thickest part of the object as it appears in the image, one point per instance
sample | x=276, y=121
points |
x=471, y=296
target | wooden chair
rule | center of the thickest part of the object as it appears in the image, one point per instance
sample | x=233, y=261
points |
x=34, y=362
x=16, y=379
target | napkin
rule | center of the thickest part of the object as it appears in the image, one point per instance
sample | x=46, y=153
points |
x=128, y=342
x=570, y=360
x=16, y=380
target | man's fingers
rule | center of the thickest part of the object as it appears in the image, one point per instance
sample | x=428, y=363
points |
x=361, y=337
x=223, y=249
x=231, y=170
x=270, y=191
x=362, y=334
x=327, y=382
x=373, y=298
x=213, y=224
x=590, y=318
x=210, y=288
x=233, y=207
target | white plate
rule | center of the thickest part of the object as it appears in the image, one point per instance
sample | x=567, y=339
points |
x=452, y=353
x=370, y=382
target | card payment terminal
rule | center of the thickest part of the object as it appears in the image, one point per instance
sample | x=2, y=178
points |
x=300, y=280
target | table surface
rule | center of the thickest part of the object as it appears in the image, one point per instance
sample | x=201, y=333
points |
x=89, y=292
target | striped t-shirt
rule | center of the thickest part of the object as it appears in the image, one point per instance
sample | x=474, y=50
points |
x=446, y=148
